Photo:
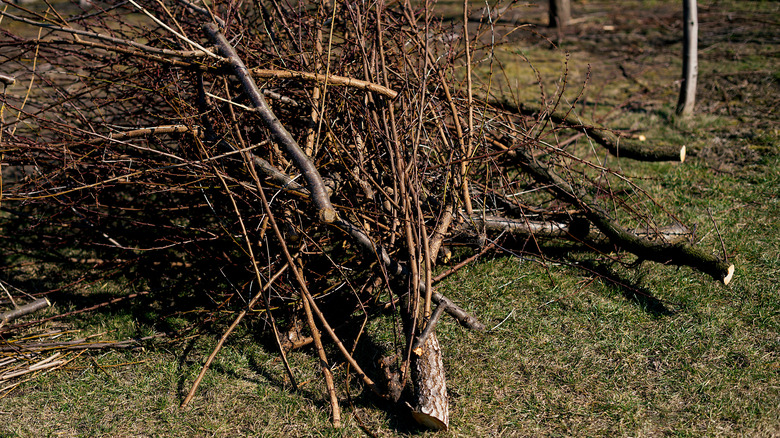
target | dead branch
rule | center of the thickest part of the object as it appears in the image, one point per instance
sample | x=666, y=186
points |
x=621, y=147
x=575, y=230
x=324, y=79
x=661, y=252
x=26, y=309
x=326, y=213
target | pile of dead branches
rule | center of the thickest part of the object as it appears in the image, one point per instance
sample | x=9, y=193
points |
x=316, y=158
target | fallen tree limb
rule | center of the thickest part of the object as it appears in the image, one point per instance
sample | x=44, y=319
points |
x=549, y=229
x=618, y=146
x=576, y=230
x=661, y=252
x=635, y=150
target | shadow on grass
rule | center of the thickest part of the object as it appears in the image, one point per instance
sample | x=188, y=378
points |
x=630, y=290
x=570, y=254
x=191, y=287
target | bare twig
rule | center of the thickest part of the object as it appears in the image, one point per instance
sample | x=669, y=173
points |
x=110, y=39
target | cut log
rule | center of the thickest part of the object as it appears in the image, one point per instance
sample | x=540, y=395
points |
x=430, y=386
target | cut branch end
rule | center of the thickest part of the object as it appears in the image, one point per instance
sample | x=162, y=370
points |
x=729, y=275
x=327, y=215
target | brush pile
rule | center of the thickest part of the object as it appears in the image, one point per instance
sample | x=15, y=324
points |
x=317, y=159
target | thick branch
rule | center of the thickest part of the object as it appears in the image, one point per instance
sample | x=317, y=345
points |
x=551, y=229
x=624, y=148
x=276, y=176
x=577, y=230
x=24, y=310
x=319, y=195
x=616, y=146
x=633, y=149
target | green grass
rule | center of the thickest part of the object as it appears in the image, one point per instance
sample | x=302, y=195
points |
x=659, y=351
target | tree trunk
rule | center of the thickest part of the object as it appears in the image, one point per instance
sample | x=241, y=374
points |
x=690, y=59
x=559, y=13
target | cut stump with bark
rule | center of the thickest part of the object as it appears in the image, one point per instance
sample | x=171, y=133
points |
x=430, y=386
